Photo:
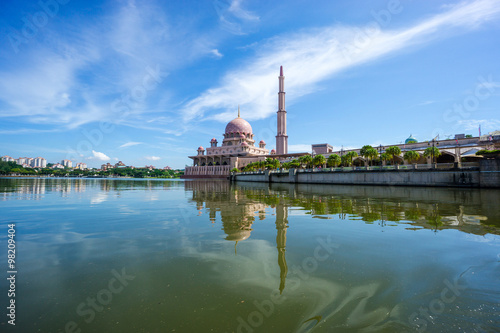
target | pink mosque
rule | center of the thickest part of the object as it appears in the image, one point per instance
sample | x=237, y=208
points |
x=238, y=145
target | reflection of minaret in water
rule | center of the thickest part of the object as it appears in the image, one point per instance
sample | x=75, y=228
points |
x=281, y=226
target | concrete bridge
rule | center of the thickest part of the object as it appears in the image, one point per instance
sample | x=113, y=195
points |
x=452, y=150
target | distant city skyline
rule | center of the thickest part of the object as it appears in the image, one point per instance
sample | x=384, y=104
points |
x=144, y=82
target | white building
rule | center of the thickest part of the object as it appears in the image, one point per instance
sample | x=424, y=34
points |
x=8, y=159
x=67, y=163
x=39, y=162
x=81, y=166
x=58, y=166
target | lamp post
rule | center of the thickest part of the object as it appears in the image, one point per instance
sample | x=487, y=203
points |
x=341, y=153
x=434, y=144
x=380, y=154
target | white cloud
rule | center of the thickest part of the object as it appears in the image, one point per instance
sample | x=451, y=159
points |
x=473, y=125
x=299, y=148
x=81, y=71
x=234, y=18
x=236, y=9
x=98, y=156
x=130, y=144
x=310, y=57
x=152, y=158
x=216, y=53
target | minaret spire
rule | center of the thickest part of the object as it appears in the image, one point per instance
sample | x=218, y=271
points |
x=281, y=137
x=238, y=110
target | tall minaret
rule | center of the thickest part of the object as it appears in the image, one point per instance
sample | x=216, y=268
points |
x=281, y=137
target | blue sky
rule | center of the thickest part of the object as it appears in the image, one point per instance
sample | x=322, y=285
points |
x=147, y=82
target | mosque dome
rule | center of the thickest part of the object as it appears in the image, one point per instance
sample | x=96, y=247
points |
x=244, y=144
x=262, y=141
x=200, y=148
x=238, y=125
x=411, y=139
x=273, y=151
x=213, y=140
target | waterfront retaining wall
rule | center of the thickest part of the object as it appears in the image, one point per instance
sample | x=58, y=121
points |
x=487, y=175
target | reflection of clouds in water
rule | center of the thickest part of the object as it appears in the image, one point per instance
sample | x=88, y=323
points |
x=260, y=270
x=345, y=306
x=488, y=238
x=98, y=198
x=153, y=196
x=126, y=210
x=340, y=304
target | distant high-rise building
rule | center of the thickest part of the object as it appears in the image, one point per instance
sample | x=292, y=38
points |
x=281, y=137
x=81, y=166
x=67, y=163
x=7, y=159
x=39, y=162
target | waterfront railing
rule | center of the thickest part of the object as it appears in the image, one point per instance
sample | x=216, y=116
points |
x=440, y=166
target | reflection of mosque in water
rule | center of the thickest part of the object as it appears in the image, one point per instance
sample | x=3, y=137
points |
x=418, y=208
x=238, y=210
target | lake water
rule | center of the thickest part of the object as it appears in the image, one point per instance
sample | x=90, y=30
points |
x=104, y=255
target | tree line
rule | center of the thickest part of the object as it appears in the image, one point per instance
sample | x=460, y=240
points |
x=334, y=160
x=12, y=168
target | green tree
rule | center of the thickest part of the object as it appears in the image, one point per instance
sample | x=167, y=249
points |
x=235, y=170
x=319, y=160
x=306, y=160
x=385, y=156
x=432, y=152
x=411, y=156
x=393, y=151
x=333, y=160
x=348, y=157
x=368, y=152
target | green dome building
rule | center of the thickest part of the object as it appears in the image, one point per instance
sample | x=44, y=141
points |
x=410, y=139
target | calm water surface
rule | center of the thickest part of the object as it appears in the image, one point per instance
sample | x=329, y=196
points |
x=103, y=255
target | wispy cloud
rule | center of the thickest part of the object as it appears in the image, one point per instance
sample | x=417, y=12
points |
x=81, y=72
x=473, y=124
x=310, y=57
x=426, y=103
x=152, y=158
x=234, y=18
x=130, y=144
x=216, y=53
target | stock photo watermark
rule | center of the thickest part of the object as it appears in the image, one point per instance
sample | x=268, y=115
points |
x=121, y=107
x=364, y=37
x=420, y=319
x=33, y=23
x=299, y=273
x=485, y=88
x=87, y=309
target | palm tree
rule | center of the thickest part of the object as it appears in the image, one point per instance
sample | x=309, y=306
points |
x=305, y=160
x=368, y=152
x=411, y=156
x=348, y=157
x=385, y=157
x=433, y=152
x=294, y=164
x=319, y=160
x=393, y=151
x=333, y=160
